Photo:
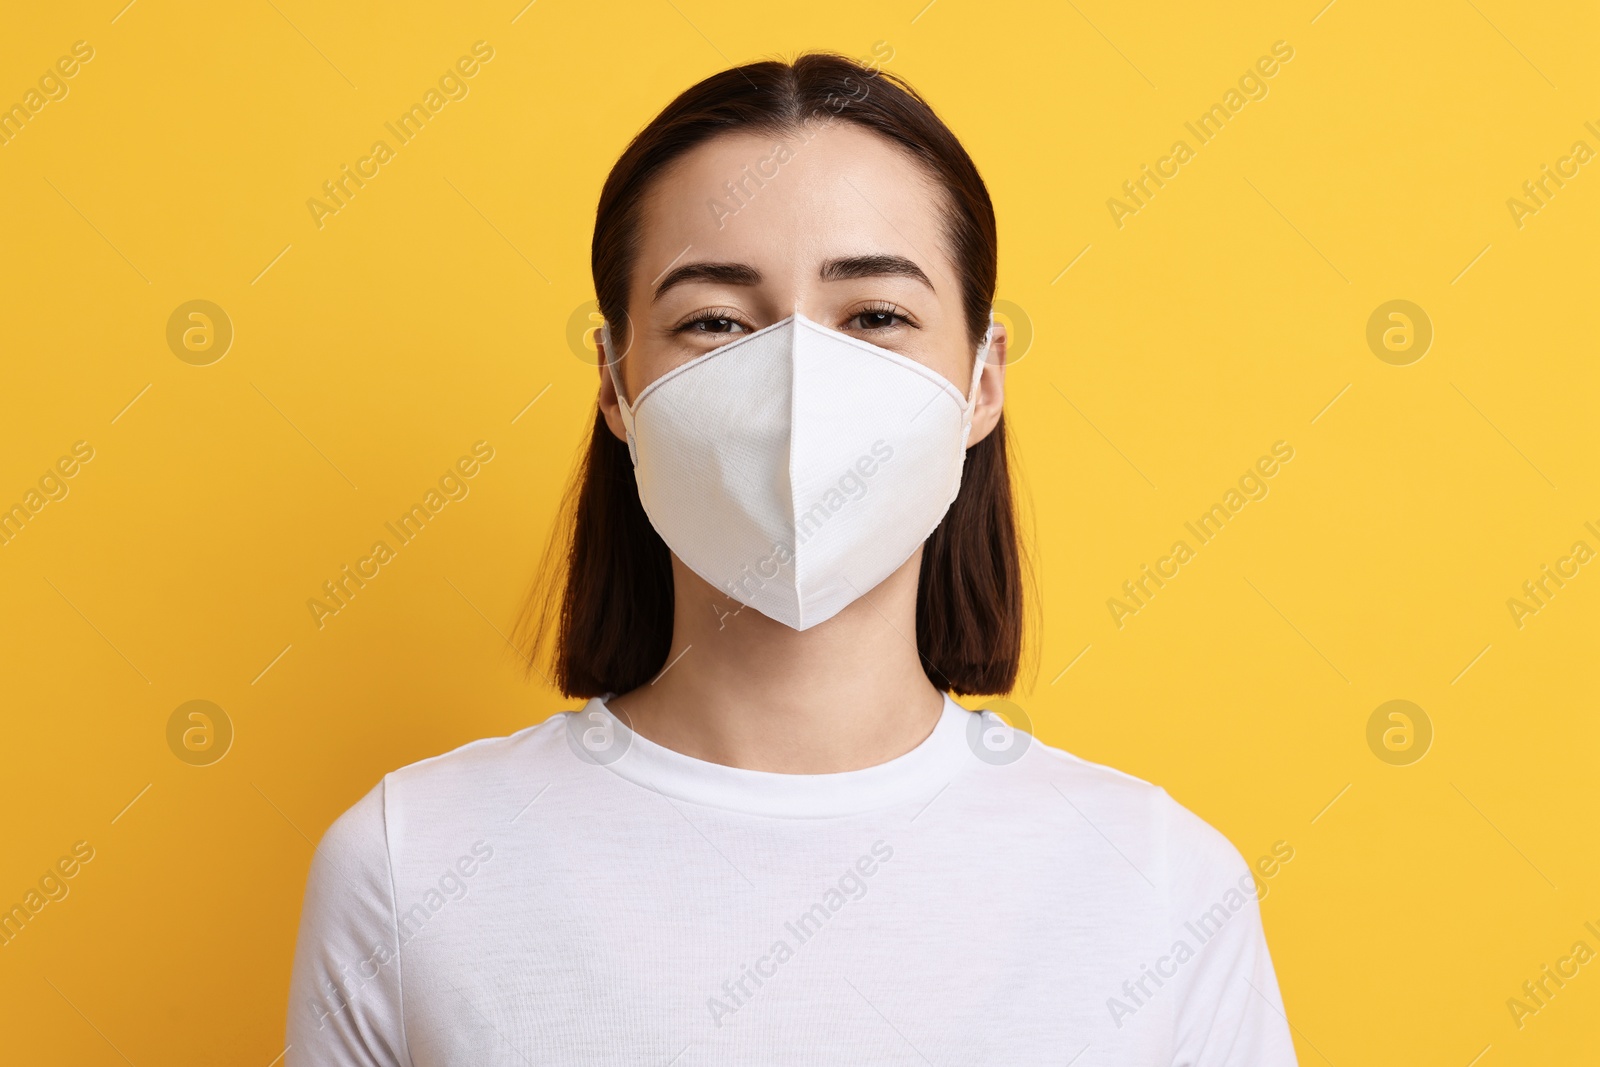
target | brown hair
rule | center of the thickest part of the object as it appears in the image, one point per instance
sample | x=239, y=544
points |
x=606, y=563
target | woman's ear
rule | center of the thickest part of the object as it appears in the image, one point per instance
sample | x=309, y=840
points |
x=991, y=387
x=609, y=406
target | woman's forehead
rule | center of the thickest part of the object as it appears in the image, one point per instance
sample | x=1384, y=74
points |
x=790, y=201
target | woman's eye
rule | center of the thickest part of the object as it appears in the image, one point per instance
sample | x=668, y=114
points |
x=713, y=325
x=877, y=320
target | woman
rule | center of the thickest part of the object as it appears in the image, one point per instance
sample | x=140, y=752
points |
x=792, y=538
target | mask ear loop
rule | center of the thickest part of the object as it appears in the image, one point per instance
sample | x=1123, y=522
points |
x=977, y=376
x=611, y=361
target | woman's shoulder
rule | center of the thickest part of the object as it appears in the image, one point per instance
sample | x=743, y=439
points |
x=474, y=784
x=486, y=761
x=1146, y=816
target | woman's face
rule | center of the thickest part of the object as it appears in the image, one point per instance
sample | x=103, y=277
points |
x=844, y=228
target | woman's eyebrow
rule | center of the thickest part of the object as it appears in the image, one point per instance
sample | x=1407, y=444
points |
x=834, y=270
x=726, y=273
x=873, y=266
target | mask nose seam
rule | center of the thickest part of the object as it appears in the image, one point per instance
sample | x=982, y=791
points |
x=794, y=508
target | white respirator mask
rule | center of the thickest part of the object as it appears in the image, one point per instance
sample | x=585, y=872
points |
x=797, y=467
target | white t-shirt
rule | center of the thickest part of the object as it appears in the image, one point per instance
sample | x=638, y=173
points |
x=575, y=893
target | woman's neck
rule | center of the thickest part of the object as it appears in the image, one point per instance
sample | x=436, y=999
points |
x=744, y=690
